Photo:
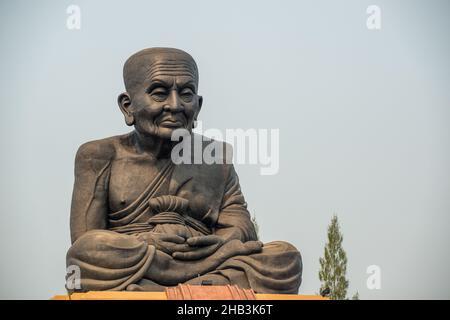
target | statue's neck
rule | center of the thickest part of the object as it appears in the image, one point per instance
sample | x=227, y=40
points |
x=156, y=147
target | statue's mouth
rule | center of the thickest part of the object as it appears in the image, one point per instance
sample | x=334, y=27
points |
x=172, y=123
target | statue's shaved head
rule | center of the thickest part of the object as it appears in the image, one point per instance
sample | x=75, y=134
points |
x=148, y=63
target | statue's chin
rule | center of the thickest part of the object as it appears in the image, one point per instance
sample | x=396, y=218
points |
x=161, y=132
x=166, y=133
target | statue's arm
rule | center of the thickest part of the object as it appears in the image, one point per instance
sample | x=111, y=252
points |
x=234, y=220
x=89, y=198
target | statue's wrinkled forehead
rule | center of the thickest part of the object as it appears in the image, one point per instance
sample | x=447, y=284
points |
x=148, y=64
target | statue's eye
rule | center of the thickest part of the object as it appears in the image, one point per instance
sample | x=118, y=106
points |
x=159, y=94
x=187, y=95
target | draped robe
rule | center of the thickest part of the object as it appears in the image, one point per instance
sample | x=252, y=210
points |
x=185, y=200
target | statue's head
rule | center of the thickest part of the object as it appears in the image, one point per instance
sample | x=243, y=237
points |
x=161, y=91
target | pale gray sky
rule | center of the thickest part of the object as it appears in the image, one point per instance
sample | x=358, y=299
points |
x=363, y=118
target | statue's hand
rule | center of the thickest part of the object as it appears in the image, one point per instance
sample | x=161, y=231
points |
x=200, y=247
x=169, y=272
x=166, y=242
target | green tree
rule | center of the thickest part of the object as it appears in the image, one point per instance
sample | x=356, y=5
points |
x=333, y=265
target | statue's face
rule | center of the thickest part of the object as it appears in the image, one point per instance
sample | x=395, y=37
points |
x=166, y=99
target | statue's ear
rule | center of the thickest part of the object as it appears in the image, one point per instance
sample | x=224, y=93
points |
x=200, y=103
x=124, y=102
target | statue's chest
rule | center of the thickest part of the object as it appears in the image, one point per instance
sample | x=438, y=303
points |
x=128, y=179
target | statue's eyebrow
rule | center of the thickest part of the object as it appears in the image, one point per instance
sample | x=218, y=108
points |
x=157, y=83
x=188, y=84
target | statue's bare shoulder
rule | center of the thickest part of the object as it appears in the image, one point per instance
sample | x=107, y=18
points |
x=107, y=149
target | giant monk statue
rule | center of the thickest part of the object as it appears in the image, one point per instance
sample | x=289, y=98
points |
x=141, y=222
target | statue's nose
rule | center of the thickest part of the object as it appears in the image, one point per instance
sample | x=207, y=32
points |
x=173, y=102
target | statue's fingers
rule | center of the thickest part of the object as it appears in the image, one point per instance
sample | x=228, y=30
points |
x=163, y=249
x=199, y=241
x=195, y=255
x=192, y=255
x=203, y=241
x=172, y=238
x=180, y=247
